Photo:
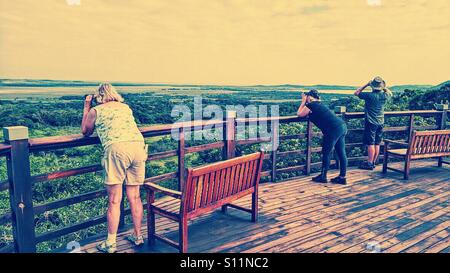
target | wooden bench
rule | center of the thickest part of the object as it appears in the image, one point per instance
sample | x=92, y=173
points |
x=206, y=188
x=423, y=144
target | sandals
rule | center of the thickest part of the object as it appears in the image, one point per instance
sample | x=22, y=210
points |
x=136, y=240
x=105, y=248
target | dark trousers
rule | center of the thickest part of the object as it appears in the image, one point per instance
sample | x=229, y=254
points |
x=334, y=139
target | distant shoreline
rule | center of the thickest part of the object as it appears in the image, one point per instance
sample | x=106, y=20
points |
x=12, y=92
x=66, y=83
x=33, y=84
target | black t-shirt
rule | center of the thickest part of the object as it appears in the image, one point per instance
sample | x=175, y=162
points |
x=323, y=117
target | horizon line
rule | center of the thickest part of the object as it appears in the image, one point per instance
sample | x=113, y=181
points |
x=205, y=84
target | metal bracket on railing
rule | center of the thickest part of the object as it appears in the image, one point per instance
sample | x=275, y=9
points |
x=21, y=206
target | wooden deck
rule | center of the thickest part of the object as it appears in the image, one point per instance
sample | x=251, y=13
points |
x=372, y=212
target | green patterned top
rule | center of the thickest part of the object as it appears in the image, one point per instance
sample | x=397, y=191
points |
x=116, y=124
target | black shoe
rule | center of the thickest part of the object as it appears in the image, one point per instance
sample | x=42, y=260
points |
x=320, y=179
x=377, y=162
x=339, y=180
x=366, y=165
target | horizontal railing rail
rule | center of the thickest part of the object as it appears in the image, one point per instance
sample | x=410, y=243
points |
x=20, y=180
x=61, y=142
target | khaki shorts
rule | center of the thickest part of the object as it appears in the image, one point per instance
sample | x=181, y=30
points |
x=124, y=161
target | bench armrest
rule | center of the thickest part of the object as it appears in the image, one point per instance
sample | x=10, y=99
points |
x=166, y=191
x=401, y=143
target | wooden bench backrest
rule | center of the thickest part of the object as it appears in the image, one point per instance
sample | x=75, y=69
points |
x=430, y=142
x=208, y=185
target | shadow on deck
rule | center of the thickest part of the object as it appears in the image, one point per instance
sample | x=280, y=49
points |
x=374, y=212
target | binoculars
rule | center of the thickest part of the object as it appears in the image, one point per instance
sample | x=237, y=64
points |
x=93, y=101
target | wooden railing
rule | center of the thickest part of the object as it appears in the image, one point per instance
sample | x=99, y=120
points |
x=20, y=180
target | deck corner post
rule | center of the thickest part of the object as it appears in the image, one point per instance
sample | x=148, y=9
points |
x=307, y=170
x=181, y=153
x=229, y=132
x=20, y=189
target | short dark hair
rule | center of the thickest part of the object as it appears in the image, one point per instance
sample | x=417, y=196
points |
x=313, y=93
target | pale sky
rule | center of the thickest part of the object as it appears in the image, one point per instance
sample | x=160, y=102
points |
x=234, y=42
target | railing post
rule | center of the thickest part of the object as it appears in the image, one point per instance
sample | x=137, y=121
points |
x=442, y=126
x=229, y=131
x=345, y=119
x=308, y=147
x=443, y=120
x=229, y=135
x=181, y=153
x=410, y=127
x=275, y=141
x=20, y=191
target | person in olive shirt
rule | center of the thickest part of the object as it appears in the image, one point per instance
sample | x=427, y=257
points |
x=374, y=118
x=334, y=131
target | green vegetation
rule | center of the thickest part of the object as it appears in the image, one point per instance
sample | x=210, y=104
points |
x=49, y=116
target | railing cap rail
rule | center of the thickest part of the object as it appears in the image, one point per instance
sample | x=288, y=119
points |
x=54, y=142
x=4, y=148
x=397, y=113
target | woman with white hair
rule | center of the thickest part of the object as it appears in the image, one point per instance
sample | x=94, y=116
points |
x=124, y=158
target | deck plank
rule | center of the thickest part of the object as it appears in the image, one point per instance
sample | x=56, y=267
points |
x=366, y=233
x=440, y=246
x=429, y=241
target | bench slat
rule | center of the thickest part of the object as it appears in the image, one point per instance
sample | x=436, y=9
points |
x=212, y=180
x=446, y=144
x=229, y=182
x=225, y=184
x=243, y=185
x=190, y=195
x=235, y=180
x=442, y=147
x=198, y=192
x=219, y=189
x=205, y=189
